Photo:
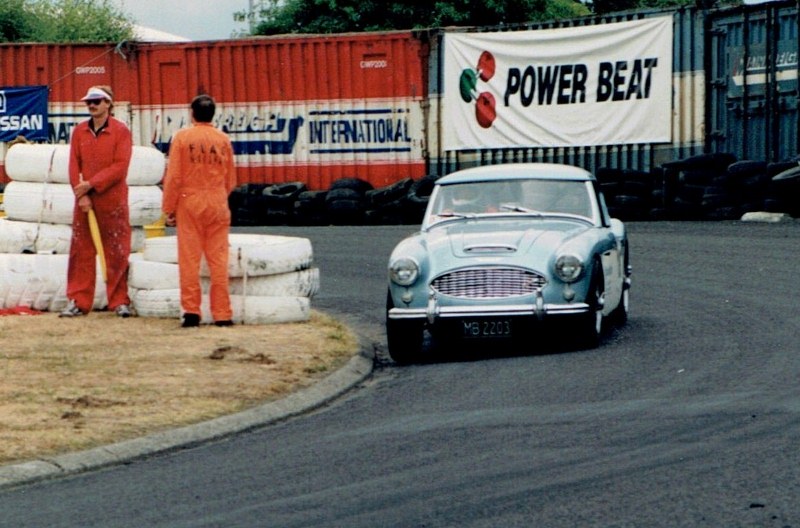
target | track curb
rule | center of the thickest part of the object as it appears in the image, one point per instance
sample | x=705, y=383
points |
x=356, y=370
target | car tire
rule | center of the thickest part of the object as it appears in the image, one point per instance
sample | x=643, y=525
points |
x=52, y=203
x=620, y=314
x=404, y=337
x=591, y=323
x=46, y=163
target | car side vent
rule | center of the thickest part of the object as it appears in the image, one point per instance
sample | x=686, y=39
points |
x=488, y=283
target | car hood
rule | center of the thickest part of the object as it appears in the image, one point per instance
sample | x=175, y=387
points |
x=532, y=242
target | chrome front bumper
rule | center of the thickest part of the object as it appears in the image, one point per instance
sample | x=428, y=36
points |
x=433, y=311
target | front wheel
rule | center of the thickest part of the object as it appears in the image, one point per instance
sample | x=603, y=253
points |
x=404, y=337
x=591, y=323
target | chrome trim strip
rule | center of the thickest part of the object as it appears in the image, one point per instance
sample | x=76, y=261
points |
x=433, y=312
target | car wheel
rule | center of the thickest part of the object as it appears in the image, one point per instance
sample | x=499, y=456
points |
x=620, y=314
x=591, y=324
x=404, y=337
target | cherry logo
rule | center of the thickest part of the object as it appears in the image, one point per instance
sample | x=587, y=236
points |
x=485, y=105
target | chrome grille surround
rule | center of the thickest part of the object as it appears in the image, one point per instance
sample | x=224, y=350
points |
x=488, y=283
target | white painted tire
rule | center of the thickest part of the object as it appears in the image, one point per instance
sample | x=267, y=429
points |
x=52, y=203
x=250, y=254
x=32, y=162
x=149, y=275
x=246, y=309
x=31, y=237
x=40, y=282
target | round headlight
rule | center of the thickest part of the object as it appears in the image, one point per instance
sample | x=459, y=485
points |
x=568, y=268
x=404, y=271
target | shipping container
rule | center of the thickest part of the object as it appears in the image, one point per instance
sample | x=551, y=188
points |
x=300, y=108
x=753, y=79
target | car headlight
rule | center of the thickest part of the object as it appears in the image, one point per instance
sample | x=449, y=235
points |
x=404, y=271
x=569, y=268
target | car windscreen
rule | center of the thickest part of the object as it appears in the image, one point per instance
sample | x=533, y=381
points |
x=524, y=197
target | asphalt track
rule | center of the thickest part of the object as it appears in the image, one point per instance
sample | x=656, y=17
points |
x=688, y=416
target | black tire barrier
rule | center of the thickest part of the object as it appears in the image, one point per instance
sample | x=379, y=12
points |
x=713, y=162
x=746, y=168
x=282, y=195
x=709, y=186
x=390, y=193
x=422, y=188
x=773, y=169
x=344, y=211
x=309, y=209
x=696, y=177
x=356, y=184
x=391, y=213
x=788, y=175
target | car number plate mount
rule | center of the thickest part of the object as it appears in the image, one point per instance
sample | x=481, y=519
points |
x=485, y=328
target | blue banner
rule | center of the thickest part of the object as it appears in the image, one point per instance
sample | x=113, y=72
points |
x=23, y=112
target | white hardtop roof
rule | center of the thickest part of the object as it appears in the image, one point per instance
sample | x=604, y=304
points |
x=517, y=171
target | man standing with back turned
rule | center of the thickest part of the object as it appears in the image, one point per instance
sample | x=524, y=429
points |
x=200, y=176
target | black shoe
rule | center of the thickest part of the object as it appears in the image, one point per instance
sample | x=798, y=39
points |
x=190, y=320
x=226, y=322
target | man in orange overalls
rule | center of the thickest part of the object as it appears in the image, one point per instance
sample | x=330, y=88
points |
x=200, y=176
x=100, y=152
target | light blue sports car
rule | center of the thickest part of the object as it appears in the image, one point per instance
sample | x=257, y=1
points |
x=503, y=249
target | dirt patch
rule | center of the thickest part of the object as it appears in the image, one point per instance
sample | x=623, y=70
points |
x=71, y=384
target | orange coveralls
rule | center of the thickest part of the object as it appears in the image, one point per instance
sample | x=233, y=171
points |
x=103, y=160
x=200, y=176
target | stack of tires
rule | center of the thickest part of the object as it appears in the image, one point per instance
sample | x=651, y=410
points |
x=272, y=279
x=348, y=201
x=685, y=185
x=417, y=200
x=720, y=187
x=387, y=205
x=783, y=193
x=264, y=204
x=309, y=209
x=628, y=193
x=36, y=230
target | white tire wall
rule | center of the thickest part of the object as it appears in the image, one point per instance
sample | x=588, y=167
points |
x=41, y=163
x=32, y=237
x=53, y=203
x=246, y=309
x=251, y=255
x=150, y=275
x=39, y=282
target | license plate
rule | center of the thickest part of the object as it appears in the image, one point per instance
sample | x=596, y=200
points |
x=486, y=328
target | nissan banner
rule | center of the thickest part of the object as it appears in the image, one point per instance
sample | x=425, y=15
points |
x=566, y=87
x=23, y=112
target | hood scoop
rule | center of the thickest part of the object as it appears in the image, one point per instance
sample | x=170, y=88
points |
x=490, y=248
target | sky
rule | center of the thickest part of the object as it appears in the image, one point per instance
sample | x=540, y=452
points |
x=193, y=19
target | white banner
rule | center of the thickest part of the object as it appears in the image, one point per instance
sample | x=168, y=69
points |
x=580, y=86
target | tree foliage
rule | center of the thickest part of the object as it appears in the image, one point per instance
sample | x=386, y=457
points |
x=63, y=21
x=342, y=16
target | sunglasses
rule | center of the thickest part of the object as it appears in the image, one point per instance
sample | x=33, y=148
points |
x=93, y=102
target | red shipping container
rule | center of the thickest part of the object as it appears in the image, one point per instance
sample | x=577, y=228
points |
x=300, y=108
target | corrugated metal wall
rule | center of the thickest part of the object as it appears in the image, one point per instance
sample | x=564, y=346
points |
x=688, y=106
x=753, y=76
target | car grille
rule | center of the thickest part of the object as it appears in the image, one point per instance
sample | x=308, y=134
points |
x=488, y=283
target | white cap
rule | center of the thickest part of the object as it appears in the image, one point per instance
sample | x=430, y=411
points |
x=96, y=93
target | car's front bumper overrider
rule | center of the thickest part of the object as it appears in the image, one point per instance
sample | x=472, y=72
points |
x=435, y=311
